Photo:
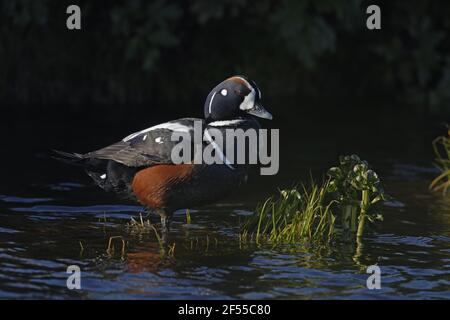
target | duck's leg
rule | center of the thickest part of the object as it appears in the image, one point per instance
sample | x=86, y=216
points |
x=165, y=222
x=148, y=212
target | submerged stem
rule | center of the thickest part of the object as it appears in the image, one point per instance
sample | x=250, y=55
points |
x=353, y=218
x=346, y=214
x=362, y=217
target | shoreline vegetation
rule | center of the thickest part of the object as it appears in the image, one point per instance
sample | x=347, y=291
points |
x=341, y=207
x=441, y=147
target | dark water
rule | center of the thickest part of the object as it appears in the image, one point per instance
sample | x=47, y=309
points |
x=51, y=217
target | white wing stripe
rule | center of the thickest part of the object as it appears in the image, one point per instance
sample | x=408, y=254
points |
x=173, y=126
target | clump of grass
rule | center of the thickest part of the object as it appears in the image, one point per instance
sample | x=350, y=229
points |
x=295, y=214
x=140, y=225
x=350, y=193
x=441, y=147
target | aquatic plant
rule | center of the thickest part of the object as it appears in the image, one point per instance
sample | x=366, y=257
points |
x=357, y=189
x=441, y=146
x=296, y=214
x=351, y=193
x=110, y=249
x=140, y=226
x=188, y=216
x=143, y=227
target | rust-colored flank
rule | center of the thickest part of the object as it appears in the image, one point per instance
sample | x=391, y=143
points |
x=152, y=185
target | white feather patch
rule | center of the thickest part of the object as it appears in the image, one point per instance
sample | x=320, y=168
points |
x=173, y=126
x=249, y=101
x=225, y=123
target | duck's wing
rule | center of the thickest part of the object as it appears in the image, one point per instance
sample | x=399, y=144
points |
x=150, y=146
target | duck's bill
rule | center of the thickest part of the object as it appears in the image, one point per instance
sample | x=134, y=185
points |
x=259, y=111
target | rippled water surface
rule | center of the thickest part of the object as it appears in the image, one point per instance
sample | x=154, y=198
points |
x=50, y=219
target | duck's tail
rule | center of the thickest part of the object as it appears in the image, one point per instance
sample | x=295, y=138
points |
x=107, y=174
x=70, y=158
x=91, y=166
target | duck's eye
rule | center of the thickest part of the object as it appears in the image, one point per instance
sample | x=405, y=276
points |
x=224, y=92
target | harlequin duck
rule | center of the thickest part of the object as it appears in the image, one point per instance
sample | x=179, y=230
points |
x=141, y=166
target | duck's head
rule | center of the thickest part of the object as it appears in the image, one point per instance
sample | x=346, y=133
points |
x=233, y=98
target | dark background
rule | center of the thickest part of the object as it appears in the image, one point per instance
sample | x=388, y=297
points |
x=333, y=85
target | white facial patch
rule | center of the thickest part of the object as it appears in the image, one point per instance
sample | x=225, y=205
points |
x=249, y=101
x=144, y=138
x=224, y=92
x=159, y=140
x=103, y=176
